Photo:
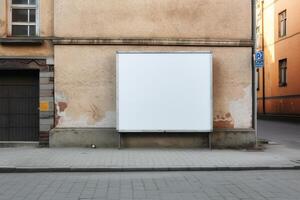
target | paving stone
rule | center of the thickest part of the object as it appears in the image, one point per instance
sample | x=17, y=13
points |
x=244, y=185
x=141, y=159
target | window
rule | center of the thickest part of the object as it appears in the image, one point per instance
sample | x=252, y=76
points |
x=282, y=72
x=24, y=17
x=282, y=24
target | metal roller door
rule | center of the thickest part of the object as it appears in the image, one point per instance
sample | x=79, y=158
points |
x=19, y=102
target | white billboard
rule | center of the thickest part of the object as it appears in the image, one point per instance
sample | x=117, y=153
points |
x=164, y=92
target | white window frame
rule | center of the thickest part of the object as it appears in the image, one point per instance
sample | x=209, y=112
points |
x=282, y=22
x=37, y=18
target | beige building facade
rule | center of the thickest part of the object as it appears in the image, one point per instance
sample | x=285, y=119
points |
x=83, y=36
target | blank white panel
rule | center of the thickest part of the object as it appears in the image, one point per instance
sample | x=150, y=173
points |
x=164, y=91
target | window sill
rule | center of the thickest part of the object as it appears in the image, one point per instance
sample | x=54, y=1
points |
x=282, y=85
x=22, y=41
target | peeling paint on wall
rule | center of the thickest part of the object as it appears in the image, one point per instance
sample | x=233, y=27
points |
x=241, y=110
x=84, y=120
x=223, y=121
x=62, y=106
x=91, y=114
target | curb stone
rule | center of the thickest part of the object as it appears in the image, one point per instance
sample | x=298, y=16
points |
x=136, y=169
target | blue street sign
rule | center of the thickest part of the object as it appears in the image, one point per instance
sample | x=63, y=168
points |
x=259, y=59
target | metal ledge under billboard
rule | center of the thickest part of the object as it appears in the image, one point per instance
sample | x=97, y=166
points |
x=164, y=92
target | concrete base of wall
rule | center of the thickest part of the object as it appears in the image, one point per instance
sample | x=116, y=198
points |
x=107, y=137
x=83, y=137
x=234, y=138
x=167, y=140
x=5, y=144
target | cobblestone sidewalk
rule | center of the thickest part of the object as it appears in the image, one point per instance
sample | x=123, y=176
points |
x=242, y=185
x=84, y=159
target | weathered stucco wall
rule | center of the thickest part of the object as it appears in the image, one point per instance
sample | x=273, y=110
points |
x=45, y=50
x=85, y=85
x=46, y=18
x=230, y=19
x=3, y=18
x=46, y=30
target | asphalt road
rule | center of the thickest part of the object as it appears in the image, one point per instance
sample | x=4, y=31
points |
x=239, y=185
x=282, y=132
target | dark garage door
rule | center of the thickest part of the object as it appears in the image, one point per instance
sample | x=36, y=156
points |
x=19, y=102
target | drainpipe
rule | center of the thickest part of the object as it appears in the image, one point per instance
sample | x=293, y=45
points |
x=254, y=92
x=263, y=49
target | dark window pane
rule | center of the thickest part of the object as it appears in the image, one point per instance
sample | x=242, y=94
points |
x=20, y=15
x=283, y=72
x=32, y=31
x=32, y=15
x=19, y=30
x=32, y=2
x=19, y=1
